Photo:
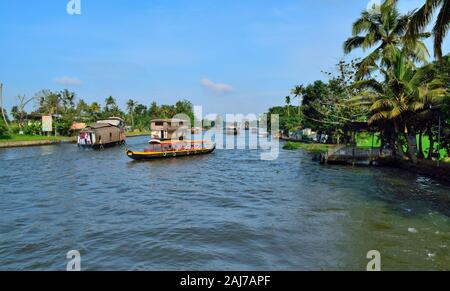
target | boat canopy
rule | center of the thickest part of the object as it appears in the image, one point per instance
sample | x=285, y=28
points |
x=154, y=141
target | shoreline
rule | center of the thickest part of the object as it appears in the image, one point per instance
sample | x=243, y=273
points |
x=5, y=144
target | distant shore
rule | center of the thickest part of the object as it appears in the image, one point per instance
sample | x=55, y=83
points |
x=31, y=141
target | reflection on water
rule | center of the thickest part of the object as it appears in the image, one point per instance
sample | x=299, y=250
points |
x=228, y=210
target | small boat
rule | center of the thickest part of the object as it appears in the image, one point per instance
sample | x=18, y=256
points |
x=263, y=133
x=172, y=149
x=233, y=130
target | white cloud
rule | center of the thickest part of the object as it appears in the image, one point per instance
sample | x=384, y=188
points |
x=217, y=87
x=68, y=81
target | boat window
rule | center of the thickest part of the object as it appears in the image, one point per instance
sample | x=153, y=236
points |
x=159, y=123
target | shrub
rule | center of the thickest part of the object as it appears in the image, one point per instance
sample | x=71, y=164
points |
x=3, y=130
x=33, y=128
x=63, y=126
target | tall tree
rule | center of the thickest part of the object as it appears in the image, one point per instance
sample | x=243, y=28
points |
x=68, y=99
x=384, y=28
x=1, y=106
x=20, y=114
x=131, y=105
x=298, y=92
x=423, y=16
x=110, y=104
x=405, y=92
x=288, y=104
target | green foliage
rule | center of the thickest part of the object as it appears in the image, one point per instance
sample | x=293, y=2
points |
x=33, y=128
x=63, y=126
x=4, y=133
x=289, y=122
x=309, y=147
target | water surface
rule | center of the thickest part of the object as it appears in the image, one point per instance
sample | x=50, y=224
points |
x=225, y=211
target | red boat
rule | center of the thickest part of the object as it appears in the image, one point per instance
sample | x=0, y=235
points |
x=172, y=149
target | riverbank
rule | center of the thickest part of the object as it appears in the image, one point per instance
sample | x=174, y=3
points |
x=16, y=141
x=33, y=140
x=309, y=147
x=423, y=167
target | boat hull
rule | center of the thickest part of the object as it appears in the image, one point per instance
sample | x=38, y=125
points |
x=101, y=146
x=142, y=156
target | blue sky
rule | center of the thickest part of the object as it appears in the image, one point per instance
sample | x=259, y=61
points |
x=230, y=56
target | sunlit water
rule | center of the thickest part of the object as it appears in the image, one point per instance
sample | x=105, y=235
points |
x=224, y=211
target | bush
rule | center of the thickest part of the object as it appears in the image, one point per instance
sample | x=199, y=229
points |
x=3, y=130
x=33, y=128
x=63, y=126
x=14, y=128
x=292, y=146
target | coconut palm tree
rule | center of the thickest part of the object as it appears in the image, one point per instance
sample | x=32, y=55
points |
x=383, y=29
x=1, y=106
x=110, y=103
x=423, y=16
x=131, y=104
x=288, y=103
x=94, y=110
x=405, y=92
x=298, y=92
x=68, y=99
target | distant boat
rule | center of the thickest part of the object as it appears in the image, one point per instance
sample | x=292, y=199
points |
x=172, y=149
x=103, y=133
x=233, y=130
x=263, y=133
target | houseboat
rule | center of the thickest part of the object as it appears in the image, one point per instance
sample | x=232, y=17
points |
x=172, y=149
x=169, y=129
x=103, y=133
x=233, y=130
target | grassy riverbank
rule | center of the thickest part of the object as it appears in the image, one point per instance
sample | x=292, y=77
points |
x=138, y=133
x=16, y=140
x=20, y=138
x=309, y=147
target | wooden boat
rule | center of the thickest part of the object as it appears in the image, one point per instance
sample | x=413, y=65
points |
x=172, y=149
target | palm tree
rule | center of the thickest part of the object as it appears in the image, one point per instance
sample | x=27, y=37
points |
x=1, y=105
x=131, y=104
x=68, y=99
x=81, y=108
x=110, y=103
x=49, y=102
x=422, y=17
x=384, y=29
x=94, y=110
x=288, y=103
x=298, y=92
x=404, y=94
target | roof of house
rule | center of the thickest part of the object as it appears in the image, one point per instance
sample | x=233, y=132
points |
x=169, y=120
x=78, y=126
x=100, y=125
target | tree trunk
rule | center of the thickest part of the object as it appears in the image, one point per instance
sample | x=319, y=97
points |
x=420, y=155
x=431, y=150
x=1, y=106
x=412, y=144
